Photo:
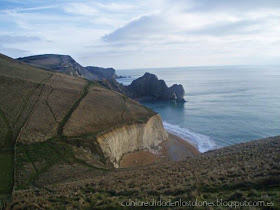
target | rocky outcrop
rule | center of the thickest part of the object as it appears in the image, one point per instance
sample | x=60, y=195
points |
x=67, y=65
x=59, y=63
x=132, y=138
x=149, y=86
x=102, y=73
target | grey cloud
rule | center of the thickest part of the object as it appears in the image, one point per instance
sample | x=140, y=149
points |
x=13, y=52
x=6, y=39
x=149, y=27
x=137, y=29
x=237, y=5
x=240, y=27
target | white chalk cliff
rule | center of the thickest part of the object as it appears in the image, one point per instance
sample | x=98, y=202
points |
x=132, y=138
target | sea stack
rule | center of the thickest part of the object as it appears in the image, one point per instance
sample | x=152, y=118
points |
x=149, y=87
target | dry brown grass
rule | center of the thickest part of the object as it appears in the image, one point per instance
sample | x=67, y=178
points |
x=15, y=69
x=19, y=90
x=58, y=95
x=65, y=91
x=67, y=177
x=36, y=105
x=41, y=125
x=102, y=109
x=248, y=171
x=13, y=95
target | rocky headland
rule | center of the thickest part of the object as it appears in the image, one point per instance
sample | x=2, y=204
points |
x=102, y=73
x=147, y=87
x=67, y=65
x=59, y=63
x=58, y=121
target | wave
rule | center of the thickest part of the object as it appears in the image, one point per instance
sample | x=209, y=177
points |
x=201, y=142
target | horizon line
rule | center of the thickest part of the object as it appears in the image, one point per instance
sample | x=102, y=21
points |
x=179, y=67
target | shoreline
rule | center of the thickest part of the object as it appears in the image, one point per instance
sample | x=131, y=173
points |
x=172, y=149
x=192, y=150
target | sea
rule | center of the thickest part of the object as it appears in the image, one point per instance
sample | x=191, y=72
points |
x=226, y=105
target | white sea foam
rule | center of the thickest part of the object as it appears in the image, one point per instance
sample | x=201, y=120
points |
x=201, y=142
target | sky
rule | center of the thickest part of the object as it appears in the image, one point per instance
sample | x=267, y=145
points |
x=144, y=33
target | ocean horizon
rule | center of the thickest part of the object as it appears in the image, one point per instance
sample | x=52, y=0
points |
x=226, y=105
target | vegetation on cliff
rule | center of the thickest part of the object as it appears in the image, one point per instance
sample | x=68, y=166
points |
x=50, y=123
x=58, y=134
x=244, y=172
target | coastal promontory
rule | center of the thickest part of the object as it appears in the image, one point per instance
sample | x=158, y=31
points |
x=147, y=87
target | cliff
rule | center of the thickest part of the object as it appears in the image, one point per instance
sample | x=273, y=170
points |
x=67, y=65
x=59, y=63
x=149, y=86
x=102, y=73
x=52, y=123
x=235, y=174
x=146, y=87
x=132, y=138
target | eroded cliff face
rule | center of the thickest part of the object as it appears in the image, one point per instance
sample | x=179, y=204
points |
x=131, y=138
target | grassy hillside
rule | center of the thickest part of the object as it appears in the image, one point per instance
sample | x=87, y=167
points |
x=49, y=156
x=35, y=107
x=242, y=172
x=19, y=90
x=92, y=115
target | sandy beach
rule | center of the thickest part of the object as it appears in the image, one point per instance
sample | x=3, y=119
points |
x=173, y=149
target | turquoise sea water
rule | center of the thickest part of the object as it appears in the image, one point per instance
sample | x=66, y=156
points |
x=225, y=105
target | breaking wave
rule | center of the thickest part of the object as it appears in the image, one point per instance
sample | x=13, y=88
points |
x=201, y=142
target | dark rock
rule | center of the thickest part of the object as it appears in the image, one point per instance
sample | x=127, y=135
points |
x=59, y=63
x=102, y=73
x=67, y=65
x=149, y=86
x=120, y=77
x=176, y=92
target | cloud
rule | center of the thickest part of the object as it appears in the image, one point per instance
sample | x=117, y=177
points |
x=178, y=25
x=143, y=33
x=80, y=9
x=232, y=28
x=139, y=28
x=8, y=44
x=29, y=9
x=13, y=52
x=117, y=6
x=233, y=5
x=17, y=39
